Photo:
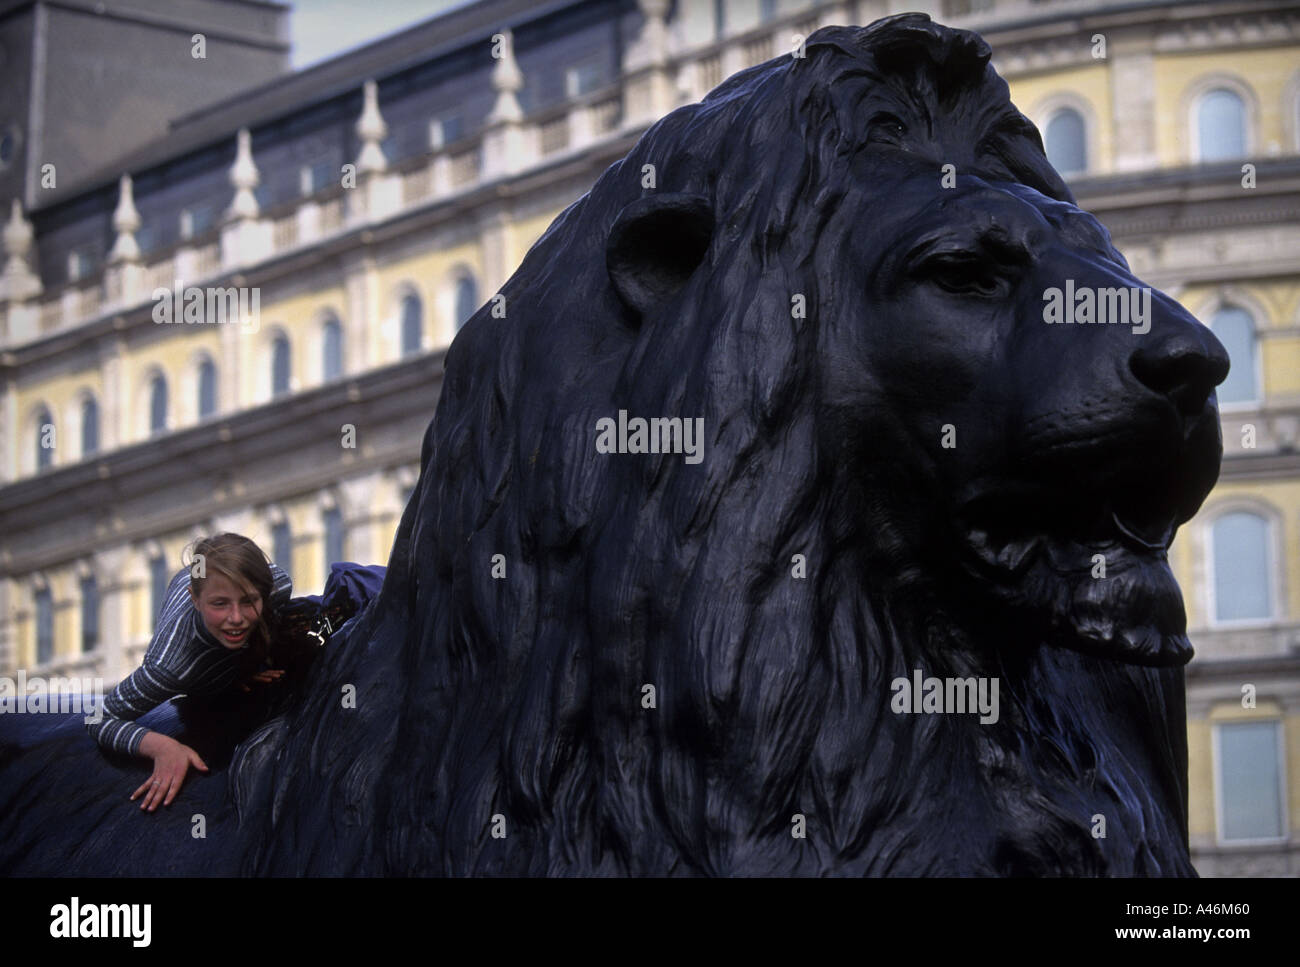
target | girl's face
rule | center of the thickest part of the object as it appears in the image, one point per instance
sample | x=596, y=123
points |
x=228, y=613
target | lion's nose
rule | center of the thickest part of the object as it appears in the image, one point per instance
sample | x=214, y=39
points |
x=1182, y=360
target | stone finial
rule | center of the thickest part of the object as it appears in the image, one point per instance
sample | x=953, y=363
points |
x=244, y=177
x=126, y=222
x=17, y=234
x=19, y=281
x=371, y=129
x=654, y=32
x=507, y=81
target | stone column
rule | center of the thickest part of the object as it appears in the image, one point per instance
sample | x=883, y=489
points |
x=110, y=569
x=114, y=414
x=497, y=252
x=9, y=430
x=1133, y=107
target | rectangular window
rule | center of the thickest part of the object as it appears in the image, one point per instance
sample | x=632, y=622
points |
x=334, y=537
x=282, y=546
x=44, y=626
x=89, y=614
x=158, y=578
x=583, y=78
x=446, y=130
x=1249, y=777
x=81, y=263
x=316, y=177
x=147, y=238
x=197, y=220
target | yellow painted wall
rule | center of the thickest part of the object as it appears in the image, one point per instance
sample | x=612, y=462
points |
x=1276, y=307
x=1201, y=817
x=1265, y=72
x=1092, y=85
x=60, y=393
x=430, y=273
x=1187, y=556
x=300, y=317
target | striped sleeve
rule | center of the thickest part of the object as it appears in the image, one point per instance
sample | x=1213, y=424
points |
x=281, y=589
x=149, y=685
x=143, y=690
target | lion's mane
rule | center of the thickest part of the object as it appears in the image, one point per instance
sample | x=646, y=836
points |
x=514, y=705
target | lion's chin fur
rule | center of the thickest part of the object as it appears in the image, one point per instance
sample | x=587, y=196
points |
x=1121, y=605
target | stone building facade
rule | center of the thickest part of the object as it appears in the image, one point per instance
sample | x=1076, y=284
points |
x=363, y=208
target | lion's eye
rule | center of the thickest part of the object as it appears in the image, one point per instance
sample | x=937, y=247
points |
x=963, y=274
x=886, y=127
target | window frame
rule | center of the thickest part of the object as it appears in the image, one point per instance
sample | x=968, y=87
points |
x=1216, y=778
x=1191, y=125
x=1056, y=111
x=1277, y=585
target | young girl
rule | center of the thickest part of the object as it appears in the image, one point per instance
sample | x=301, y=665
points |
x=215, y=631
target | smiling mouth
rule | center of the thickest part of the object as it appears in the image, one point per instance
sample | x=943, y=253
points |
x=236, y=636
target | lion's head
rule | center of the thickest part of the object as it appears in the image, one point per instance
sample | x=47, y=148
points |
x=904, y=467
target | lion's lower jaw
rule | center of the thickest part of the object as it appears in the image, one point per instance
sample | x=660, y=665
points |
x=1120, y=604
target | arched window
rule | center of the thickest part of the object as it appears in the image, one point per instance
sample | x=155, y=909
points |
x=1065, y=141
x=1220, y=125
x=158, y=580
x=1234, y=327
x=466, y=299
x=1243, y=581
x=412, y=324
x=207, y=389
x=280, y=366
x=333, y=521
x=331, y=349
x=89, y=614
x=282, y=546
x=89, y=426
x=44, y=626
x=45, y=439
x=157, y=405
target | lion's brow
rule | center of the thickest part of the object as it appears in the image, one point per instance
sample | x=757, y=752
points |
x=1009, y=124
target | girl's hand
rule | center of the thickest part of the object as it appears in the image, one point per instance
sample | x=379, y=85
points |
x=270, y=675
x=170, y=763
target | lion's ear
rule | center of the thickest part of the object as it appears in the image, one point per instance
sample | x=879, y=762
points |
x=655, y=245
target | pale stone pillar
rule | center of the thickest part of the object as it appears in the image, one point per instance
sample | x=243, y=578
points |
x=1133, y=106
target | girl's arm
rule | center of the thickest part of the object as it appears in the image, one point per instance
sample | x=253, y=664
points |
x=151, y=684
x=143, y=690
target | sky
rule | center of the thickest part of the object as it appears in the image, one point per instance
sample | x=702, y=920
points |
x=321, y=29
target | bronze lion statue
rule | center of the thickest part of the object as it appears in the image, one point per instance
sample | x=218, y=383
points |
x=774, y=442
